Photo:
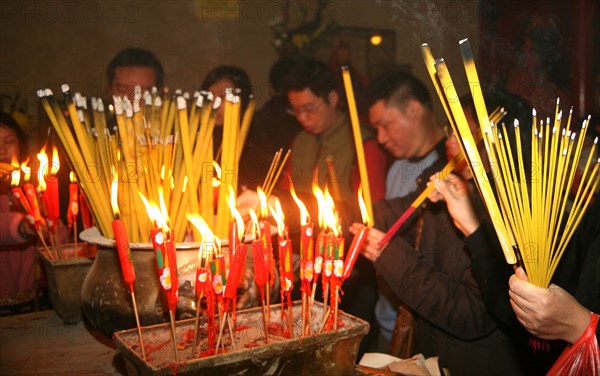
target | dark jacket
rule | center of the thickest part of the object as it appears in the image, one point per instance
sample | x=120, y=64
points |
x=578, y=273
x=436, y=282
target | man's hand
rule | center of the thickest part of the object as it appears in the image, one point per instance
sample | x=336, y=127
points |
x=548, y=313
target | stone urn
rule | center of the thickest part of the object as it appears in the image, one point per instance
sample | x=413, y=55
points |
x=106, y=299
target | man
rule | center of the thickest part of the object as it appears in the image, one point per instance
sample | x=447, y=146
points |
x=402, y=112
x=134, y=66
x=315, y=100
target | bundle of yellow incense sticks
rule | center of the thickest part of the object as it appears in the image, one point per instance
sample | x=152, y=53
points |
x=530, y=212
x=162, y=144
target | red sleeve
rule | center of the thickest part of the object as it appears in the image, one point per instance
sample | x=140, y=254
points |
x=376, y=169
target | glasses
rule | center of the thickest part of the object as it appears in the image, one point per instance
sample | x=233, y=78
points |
x=306, y=109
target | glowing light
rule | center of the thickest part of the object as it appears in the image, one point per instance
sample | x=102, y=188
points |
x=376, y=39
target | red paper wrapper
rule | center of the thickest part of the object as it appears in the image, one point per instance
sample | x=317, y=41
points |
x=357, y=243
x=173, y=294
x=259, y=260
x=238, y=260
x=73, y=209
x=52, y=197
x=124, y=252
x=33, y=203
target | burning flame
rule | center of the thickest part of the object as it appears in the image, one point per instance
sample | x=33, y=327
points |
x=163, y=206
x=262, y=197
x=16, y=174
x=55, y=162
x=320, y=203
x=154, y=213
x=304, y=216
x=255, y=225
x=363, y=207
x=277, y=213
x=235, y=213
x=72, y=177
x=330, y=215
x=26, y=171
x=113, y=193
x=209, y=240
x=42, y=171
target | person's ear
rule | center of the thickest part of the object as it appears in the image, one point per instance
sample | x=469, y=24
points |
x=414, y=109
x=333, y=98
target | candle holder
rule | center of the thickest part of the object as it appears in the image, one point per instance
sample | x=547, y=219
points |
x=105, y=297
x=65, y=277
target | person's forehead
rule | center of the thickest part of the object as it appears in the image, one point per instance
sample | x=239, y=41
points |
x=380, y=111
x=218, y=88
x=6, y=131
x=134, y=73
x=301, y=97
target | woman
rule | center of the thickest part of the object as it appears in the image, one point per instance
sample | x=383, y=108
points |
x=17, y=245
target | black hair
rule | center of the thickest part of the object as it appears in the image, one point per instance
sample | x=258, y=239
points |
x=278, y=72
x=397, y=88
x=516, y=108
x=136, y=57
x=236, y=75
x=314, y=75
x=6, y=120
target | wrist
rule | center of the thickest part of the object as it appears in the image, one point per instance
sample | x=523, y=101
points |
x=581, y=321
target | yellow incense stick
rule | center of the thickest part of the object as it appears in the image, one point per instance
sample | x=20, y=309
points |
x=358, y=141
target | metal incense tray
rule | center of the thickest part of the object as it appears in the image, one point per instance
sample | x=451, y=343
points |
x=328, y=353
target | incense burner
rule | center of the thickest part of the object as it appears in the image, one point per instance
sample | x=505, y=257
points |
x=65, y=273
x=105, y=297
x=329, y=353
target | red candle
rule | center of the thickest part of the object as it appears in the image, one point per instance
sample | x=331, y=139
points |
x=238, y=260
x=357, y=243
x=33, y=203
x=122, y=243
x=306, y=252
x=285, y=258
x=122, y=240
x=73, y=209
x=86, y=217
x=171, y=264
x=259, y=260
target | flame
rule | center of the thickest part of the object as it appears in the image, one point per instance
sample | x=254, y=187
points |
x=320, y=203
x=363, y=208
x=26, y=171
x=255, y=225
x=216, y=181
x=185, y=183
x=330, y=215
x=43, y=169
x=235, y=213
x=162, y=173
x=208, y=238
x=16, y=173
x=262, y=197
x=55, y=161
x=163, y=207
x=277, y=213
x=304, y=216
x=72, y=177
x=113, y=193
x=153, y=212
